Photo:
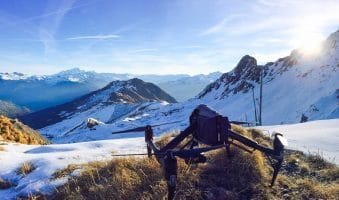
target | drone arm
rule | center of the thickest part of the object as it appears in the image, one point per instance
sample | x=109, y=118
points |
x=192, y=153
x=250, y=143
x=176, y=141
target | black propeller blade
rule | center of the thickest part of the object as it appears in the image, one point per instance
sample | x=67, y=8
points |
x=138, y=129
x=239, y=122
x=141, y=128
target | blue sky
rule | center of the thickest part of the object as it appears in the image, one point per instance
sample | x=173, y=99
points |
x=156, y=36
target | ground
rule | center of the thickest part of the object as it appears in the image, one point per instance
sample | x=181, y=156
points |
x=46, y=162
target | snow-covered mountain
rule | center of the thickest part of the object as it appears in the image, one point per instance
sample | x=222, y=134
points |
x=39, y=92
x=293, y=86
x=107, y=104
x=188, y=87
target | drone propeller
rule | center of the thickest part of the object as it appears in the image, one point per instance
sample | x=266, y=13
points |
x=239, y=122
x=142, y=128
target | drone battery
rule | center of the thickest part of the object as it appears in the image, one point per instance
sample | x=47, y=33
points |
x=212, y=127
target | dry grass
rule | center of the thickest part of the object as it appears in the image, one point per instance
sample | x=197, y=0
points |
x=25, y=169
x=66, y=171
x=244, y=176
x=14, y=131
x=2, y=148
x=4, y=184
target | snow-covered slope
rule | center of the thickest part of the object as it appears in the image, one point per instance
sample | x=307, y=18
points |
x=188, y=87
x=50, y=158
x=316, y=137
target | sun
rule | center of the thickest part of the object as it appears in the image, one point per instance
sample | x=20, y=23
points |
x=308, y=42
x=310, y=46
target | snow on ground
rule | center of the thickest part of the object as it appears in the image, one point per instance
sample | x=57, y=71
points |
x=311, y=137
x=315, y=137
x=49, y=158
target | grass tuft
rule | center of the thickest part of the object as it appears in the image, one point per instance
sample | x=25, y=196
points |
x=4, y=184
x=25, y=168
x=66, y=171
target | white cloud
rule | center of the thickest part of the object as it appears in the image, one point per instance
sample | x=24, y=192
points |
x=95, y=37
x=143, y=50
x=278, y=16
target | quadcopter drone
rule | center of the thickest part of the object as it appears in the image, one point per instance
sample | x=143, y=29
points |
x=213, y=130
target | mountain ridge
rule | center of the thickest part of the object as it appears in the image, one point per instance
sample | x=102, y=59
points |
x=121, y=93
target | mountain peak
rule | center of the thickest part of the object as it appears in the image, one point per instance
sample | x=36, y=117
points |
x=136, y=81
x=75, y=70
x=332, y=42
x=241, y=78
x=245, y=62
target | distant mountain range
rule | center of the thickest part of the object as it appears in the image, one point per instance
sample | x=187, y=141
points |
x=188, y=87
x=39, y=92
x=296, y=88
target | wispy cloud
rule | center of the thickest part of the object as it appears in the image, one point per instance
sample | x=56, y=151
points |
x=188, y=47
x=220, y=26
x=278, y=16
x=143, y=50
x=60, y=10
x=94, y=37
x=49, y=26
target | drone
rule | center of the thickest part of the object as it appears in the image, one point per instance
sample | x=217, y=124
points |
x=213, y=131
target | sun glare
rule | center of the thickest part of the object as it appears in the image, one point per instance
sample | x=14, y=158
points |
x=310, y=47
x=308, y=42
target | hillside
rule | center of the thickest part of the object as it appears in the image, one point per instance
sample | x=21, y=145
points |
x=9, y=109
x=88, y=171
x=14, y=131
x=107, y=104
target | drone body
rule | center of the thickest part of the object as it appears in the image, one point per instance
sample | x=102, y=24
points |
x=214, y=131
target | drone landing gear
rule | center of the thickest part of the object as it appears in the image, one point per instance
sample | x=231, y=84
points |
x=228, y=151
x=171, y=174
